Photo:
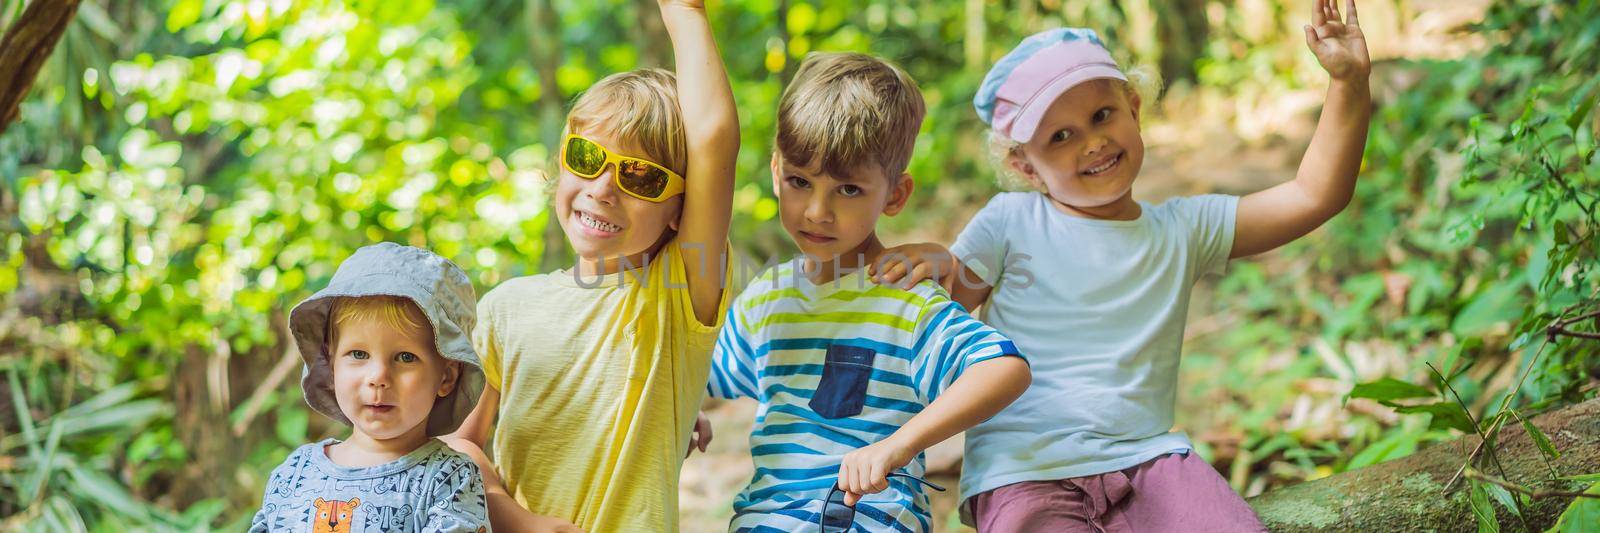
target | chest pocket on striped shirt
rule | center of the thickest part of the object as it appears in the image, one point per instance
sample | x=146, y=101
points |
x=845, y=375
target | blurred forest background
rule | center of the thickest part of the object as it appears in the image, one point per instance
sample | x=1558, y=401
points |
x=184, y=171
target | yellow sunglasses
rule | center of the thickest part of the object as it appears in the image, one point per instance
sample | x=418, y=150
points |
x=640, y=178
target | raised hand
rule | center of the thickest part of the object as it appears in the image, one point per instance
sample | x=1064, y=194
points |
x=1340, y=47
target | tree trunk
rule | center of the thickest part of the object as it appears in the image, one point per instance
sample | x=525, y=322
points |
x=544, y=44
x=652, y=41
x=1407, y=494
x=1183, y=33
x=24, y=49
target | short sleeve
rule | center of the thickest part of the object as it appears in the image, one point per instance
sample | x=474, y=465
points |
x=733, y=372
x=1210, y=220
x=952, y=341
x=258, y=522
x=981, y=246
x=484, y=341
x=280, y=489
x=459, y=504
x=691, y=258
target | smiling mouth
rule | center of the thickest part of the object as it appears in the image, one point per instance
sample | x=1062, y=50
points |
x=1103, y=167
x=589, y=221
x=819, y=239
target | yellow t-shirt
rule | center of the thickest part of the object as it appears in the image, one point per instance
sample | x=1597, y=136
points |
x=600, y=381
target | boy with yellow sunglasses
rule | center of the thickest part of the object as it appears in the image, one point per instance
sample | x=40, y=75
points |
x=596, y=371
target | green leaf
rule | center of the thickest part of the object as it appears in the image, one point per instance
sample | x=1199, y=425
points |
x=1445, y=416
x=1539, y=438
x=1389, y=389
x=1395, y=445
x=1575, y=119
x=20, y=403
x=184, y=13
x=292, y=426
x=99, y=488
x=128, y=415
x=1503, y=496
x=1583, y=477
x=1581, y=515
x=1499, y=303
x=1482, y=509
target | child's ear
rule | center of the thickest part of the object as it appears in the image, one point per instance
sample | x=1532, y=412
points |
x=677, y=217
x=899, y=194
x=1025, y=169
x=776, y=180
x=1135, y=103
x=452, y=375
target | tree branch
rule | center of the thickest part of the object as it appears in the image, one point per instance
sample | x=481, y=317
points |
x=24, y=49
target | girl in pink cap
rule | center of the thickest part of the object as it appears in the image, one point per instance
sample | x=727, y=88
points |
x=1094, y=285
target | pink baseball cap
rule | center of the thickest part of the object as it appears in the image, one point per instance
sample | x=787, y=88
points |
x=1022, y=85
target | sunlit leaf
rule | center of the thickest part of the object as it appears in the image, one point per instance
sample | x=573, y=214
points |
x=1389, y=389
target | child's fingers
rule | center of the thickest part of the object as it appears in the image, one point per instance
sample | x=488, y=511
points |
x=1311, y=36
x=1350, y=13
x=850, y=498
x=863, y=481
x=847, y=477
x=922, y=272
x=1332, y=9
x=1319, y=12
x=893, y=273
x=880, y=478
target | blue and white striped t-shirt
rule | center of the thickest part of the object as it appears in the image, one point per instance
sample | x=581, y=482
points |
x=838, y=366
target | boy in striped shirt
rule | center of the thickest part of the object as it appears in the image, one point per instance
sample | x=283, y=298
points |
x=855, y=379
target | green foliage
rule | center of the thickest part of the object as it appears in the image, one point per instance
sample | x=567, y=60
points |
x=1476, y=213
x=1582, y=515
x=186, y=170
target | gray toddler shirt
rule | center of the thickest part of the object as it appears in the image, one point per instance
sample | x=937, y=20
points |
x=433, y=488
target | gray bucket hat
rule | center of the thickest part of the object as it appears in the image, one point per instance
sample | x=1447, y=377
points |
x=437, y=286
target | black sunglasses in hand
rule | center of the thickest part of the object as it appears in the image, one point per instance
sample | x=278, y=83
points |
x=838, y=517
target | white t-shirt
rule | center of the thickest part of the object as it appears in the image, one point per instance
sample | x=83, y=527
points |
x=1098, y=307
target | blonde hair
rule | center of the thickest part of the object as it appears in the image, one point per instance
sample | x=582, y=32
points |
x=1144, y=81
x=397, y=312
x=845, y=109
x=640, y=106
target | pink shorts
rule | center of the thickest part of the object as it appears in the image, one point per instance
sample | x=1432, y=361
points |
x=1173, y=492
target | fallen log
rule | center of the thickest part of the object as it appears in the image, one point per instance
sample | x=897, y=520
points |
x=1408, y=494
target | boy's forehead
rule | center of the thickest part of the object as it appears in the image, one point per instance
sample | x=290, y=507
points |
x=861, y=172
x=615, y=143
x=369, y=328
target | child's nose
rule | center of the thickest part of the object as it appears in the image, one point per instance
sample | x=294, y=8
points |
x=1095, y=145
x=379, y=376
x=603, y=188
x=818, y=210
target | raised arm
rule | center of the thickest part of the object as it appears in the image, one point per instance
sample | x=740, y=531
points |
x=1327, y=176
x=711, y=124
